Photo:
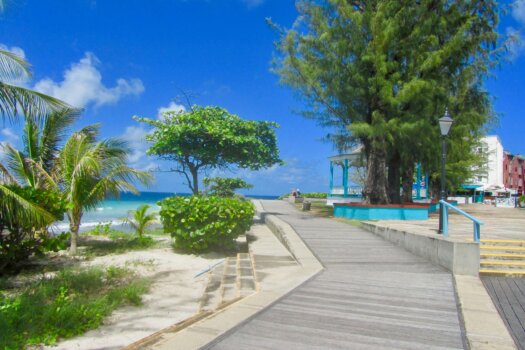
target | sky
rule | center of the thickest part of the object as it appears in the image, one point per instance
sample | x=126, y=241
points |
x=117, y=59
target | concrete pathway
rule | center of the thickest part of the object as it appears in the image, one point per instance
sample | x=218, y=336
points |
x=371, y=295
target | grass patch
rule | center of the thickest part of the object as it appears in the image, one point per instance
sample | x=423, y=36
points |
x=318, y=208
x=71, y=303
x=116, y=245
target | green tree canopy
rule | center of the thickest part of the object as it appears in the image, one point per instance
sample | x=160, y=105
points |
x=224, y=186
x=381, y=73
x=207, y=138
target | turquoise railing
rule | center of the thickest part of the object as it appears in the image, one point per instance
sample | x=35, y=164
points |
x=477, y=222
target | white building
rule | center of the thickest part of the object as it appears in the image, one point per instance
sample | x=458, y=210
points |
x=490, y=176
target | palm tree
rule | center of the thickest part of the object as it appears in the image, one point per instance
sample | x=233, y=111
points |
x=41, y=140
x=15, y=100
x=87, y=171
x=141, y=219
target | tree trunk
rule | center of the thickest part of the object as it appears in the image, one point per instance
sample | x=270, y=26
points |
x=408, y=180
x=394, y=182
x=73, y=226
x=375, y=186
x=195, y=180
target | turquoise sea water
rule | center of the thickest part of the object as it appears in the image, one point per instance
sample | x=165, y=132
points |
x=114, y=210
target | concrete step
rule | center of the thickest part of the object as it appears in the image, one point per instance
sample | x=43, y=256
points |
x=501, y=256
x=211, y=298
x=246, y=281
x=503, y=242
x=502, y=273
x=503, y=248
x=229, y=281
x=502, y=265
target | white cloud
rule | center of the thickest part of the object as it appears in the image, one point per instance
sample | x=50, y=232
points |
x=14, y=49
x=136, y=138
x=82, y=85
x=253, y=3
x=172, y=107
x=518, y=11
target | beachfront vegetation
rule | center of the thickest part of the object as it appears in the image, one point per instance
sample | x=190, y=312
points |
x=206, y=138
x=224, y=186
x=90, y=170
x=140, y=219
x=26, y=235
x=16, y=100
x=381, y=73
x=70, y=303
x=199, y=223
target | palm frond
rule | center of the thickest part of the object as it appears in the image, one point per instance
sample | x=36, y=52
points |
x=16, y=162
x=15, y=100
x=13, y=68
x=53, y=131
x=20, y=209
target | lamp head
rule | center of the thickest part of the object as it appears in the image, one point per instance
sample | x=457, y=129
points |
x=445, y=123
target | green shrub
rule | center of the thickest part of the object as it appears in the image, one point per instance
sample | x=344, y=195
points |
x=198, y=223
x=20, y=238
x=69, y=304
x=224, y=186
x=56, y=243
x=314, y=195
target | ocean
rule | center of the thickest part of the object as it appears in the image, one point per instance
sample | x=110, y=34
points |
x=114, y=211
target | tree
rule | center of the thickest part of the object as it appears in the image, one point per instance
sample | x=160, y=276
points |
x=223, y=186
x=88, y=170
x=15, y=100
x=206, y=138
x=140, y=219
x=380, y=73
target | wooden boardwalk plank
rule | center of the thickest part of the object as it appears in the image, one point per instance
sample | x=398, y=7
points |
x=507, y=293
x=371, y=295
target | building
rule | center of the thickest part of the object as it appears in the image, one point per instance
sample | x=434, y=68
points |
x=489, y=176
x=513, y=171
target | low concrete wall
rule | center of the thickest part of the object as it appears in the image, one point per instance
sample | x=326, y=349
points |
x=461, y=258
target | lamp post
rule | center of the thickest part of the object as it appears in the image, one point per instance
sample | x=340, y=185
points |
x=445, y=123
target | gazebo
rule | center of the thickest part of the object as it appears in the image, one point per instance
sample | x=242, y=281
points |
x=344, y=193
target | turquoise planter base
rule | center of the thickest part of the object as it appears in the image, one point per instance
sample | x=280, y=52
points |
x=355, y=211
x=434, y=206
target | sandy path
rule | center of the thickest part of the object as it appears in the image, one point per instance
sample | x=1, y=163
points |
x=174, y=296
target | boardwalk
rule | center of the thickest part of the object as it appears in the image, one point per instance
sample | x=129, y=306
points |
x=371, y=295
x=508, y=295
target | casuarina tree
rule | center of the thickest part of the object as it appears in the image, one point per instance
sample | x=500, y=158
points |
x=381, y=73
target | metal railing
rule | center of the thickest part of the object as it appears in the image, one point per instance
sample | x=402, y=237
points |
x=476, y=222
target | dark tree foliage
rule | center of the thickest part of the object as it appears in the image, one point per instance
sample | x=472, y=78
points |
x=381, y=73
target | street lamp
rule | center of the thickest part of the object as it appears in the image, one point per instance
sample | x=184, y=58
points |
x=445, y=123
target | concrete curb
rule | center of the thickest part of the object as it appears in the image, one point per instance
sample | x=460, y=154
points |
x=458, y=257
x=211, y=329
x=484, y=327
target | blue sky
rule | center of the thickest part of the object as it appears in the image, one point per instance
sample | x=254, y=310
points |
x=120, y=58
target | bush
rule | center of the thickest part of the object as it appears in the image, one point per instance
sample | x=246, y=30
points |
x=224, y=186
x=198, y=223
x=314, y=195
x=20, y=238
x=69, y=304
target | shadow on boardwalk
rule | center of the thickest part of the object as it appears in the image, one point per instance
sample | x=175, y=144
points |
x=371, y=295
